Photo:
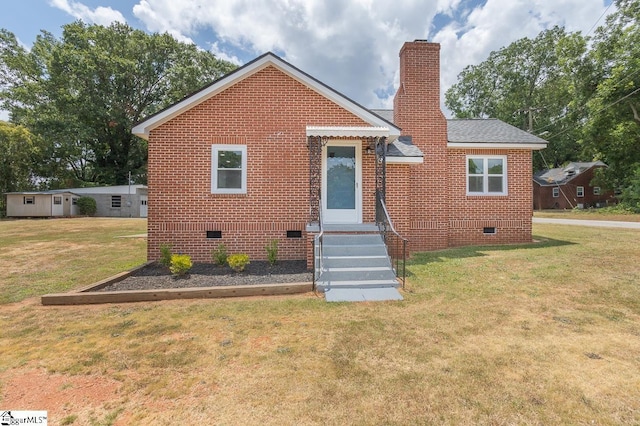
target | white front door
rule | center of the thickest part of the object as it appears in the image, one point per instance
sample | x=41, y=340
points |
x=341, y=182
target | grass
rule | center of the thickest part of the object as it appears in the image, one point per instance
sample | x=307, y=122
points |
x=544, y=333
x=55, y=255
x=590, y=214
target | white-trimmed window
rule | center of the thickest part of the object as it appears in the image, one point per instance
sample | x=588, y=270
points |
x=596, y=190
x=228, y=169
x=29, y=200
x=57, y=200
x=580, y=191
x=556, y=192
x=486, y=175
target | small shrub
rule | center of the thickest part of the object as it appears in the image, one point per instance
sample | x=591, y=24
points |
x=165, y=255
x=237, y=262
x=272, y=252
x=219, y=255
x=180, y=264
x=87, y=206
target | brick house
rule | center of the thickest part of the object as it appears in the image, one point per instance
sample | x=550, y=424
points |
x=266, y=151
x=569, y=187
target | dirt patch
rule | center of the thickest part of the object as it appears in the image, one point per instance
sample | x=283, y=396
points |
x=155, y=276
x=58, y=394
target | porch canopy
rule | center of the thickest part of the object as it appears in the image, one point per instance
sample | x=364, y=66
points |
x=350, y=132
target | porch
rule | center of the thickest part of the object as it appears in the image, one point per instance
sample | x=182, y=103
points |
x=349, y=228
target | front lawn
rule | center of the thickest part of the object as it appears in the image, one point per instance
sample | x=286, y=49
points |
x=545, y=333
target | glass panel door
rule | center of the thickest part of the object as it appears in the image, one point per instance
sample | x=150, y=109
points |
x=341, y=183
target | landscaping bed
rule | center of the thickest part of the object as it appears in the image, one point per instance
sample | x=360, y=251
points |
x=155, y=276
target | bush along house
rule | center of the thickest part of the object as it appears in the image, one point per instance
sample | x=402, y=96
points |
x=270, y=153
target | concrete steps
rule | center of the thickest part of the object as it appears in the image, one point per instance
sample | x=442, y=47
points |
x=356, y=267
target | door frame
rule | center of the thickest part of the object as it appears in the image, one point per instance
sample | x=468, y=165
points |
x=357, y=144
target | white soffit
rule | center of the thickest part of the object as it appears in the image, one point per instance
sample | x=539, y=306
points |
x=489, y=145
x=347, y=132
x=405, y=160
x=144, y=128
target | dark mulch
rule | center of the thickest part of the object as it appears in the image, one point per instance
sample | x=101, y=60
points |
x=156, y=276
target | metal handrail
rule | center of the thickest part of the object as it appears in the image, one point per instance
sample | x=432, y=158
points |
x=318, y=241
x=385, y=225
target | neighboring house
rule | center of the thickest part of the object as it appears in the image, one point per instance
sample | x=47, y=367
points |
x=111, y=201
x=266, y=151
x=118, y=201
x=42, y=203
x=569, y=187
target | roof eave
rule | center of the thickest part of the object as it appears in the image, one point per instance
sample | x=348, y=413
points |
x=497, y=145
x=404, y=160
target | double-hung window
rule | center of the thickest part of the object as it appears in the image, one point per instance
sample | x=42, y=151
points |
x=486, y=175
x=228, y=169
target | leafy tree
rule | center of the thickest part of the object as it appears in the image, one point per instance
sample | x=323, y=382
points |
x=83, y=93
x=612, y=133
x=16, y=161
x=531, y=84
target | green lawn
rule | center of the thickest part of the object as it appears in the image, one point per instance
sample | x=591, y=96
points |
x=55, y=255
x=544, y=333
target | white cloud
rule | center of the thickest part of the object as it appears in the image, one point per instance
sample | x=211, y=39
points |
x=353, y=45
x=221, y=53
x=100, y=15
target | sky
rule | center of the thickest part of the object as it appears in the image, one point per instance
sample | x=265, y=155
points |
x=351, y=45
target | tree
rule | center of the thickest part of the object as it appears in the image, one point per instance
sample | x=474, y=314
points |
x=16, y=162
x=612, y=133
x=531, y=84
x=83, y=93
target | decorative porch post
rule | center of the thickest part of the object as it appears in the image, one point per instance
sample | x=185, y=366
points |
x=315, y=177
x=381, y=175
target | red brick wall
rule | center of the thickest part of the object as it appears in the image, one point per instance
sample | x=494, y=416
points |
x=268, y=112
x=509, y=214
x=417, y=112
x=440, y=214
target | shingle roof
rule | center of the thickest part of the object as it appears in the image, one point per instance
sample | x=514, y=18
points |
x=562, y=175
x=488, y=131
x=403, y=147
x=479, y=131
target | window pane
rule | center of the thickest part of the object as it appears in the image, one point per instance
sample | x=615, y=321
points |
x=229, y=159
x=341, y=177
x=475, y=166
x=495, y=166
x=495, y=184
x=475, y=184
x=229, y=179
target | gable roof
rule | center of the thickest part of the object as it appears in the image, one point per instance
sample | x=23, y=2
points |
x=562, y=175
x=482, y=133
x=144, y=128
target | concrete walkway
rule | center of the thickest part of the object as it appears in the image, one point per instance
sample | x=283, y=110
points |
x=580, y=222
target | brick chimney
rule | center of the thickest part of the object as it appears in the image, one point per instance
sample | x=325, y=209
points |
x=417, y=101
x=417, y=112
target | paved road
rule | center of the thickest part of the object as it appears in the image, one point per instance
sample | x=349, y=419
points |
x=579, y=222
